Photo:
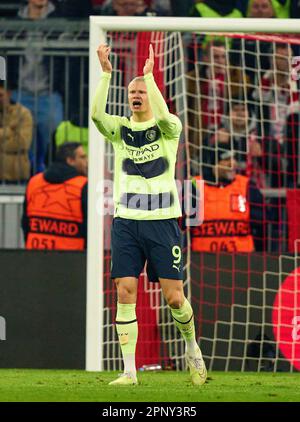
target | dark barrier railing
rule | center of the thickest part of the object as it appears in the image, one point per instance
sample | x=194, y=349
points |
x=42, y=302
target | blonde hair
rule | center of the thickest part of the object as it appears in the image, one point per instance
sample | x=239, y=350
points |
x=137, y=79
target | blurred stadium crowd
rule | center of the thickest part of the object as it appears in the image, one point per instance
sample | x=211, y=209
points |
x=242, y=98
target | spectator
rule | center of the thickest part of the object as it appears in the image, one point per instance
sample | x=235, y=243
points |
x=131, y=8
x=207, y=81
x=213, y=85
x=38, y=78
x=233, y=209
x=15, y=138
x=55, y=206
x=251, y=54
x=279, y=91
x=238, y=132
x=280, y=99
x=155, y=4
x=271, y=8
x=37, y=9
x=260, y=9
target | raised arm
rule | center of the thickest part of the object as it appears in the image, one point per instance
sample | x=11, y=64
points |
x=108, y=125
x=168, y=123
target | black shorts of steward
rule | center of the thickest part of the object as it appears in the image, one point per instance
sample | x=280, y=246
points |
x=159, y=242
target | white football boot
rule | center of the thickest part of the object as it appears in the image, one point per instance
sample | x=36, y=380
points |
x=125, y=379
x=197, y=367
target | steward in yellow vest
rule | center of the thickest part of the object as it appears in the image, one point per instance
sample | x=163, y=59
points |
x=69, y=131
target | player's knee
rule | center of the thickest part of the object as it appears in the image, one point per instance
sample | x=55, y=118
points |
x=126, y=293
x=175, y=299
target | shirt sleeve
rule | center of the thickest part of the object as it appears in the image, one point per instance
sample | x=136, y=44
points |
x=107, y=124
x=169, y=124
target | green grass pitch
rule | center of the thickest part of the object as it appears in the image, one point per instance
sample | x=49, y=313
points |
x=80, y=386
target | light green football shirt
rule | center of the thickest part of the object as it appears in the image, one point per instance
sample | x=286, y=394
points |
x=145, y=156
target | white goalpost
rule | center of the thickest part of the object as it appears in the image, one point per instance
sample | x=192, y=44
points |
x=100, y=153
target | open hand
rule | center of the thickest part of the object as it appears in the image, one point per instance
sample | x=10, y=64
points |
x=103, y=52
x=149, y=64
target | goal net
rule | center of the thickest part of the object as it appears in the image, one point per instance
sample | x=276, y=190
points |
x=236, y=93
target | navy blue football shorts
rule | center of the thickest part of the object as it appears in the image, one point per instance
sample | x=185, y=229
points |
x=159, y=242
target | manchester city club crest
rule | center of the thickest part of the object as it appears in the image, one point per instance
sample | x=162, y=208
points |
x=151, y=135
